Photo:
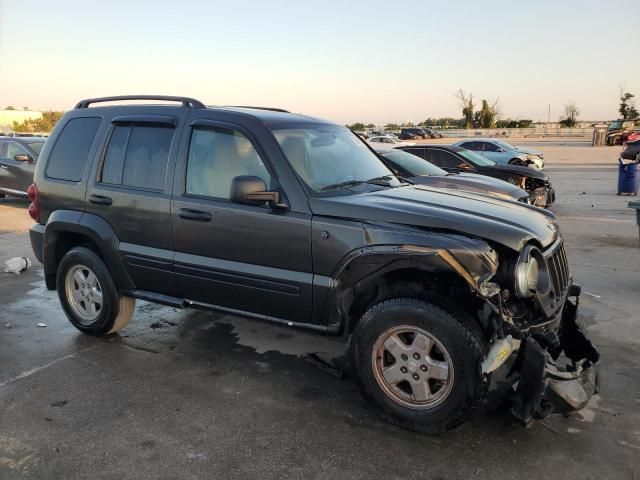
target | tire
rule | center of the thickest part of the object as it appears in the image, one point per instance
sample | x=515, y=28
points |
x=78, y=291
x=457, y=342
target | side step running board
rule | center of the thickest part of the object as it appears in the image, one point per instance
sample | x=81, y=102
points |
x=156, y=298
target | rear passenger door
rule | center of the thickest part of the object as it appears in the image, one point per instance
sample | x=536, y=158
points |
x=242, y=257
x=131, y=190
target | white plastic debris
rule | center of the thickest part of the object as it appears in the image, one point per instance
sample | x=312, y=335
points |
x=17, y=265
x=42, y=325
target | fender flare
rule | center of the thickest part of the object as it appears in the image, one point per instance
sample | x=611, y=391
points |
x=368, y=263
x=92, y=227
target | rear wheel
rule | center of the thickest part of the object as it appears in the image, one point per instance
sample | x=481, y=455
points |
x=418, y=365
x=88, y=295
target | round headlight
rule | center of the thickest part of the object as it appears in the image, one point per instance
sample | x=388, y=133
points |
x=526, y=277
x=530, y=273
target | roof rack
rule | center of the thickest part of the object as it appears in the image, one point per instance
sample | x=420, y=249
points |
x=271, y=109
x=186, y=101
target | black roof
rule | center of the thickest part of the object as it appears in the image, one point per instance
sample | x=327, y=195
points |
x=451, y=148
x=272, y=116
x=268, y=115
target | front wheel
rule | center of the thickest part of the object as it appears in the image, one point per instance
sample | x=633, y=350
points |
x=418, y=365
x=88, y=295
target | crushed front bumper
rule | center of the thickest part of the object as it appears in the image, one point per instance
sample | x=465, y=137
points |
x=542, y=197
x=543, y=386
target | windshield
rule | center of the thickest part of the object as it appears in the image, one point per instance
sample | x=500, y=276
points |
x=412, y=164
x=331, y=157
x=36, y=146
x=475, y=158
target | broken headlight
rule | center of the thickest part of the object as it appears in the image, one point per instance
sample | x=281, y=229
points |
x=530, y=274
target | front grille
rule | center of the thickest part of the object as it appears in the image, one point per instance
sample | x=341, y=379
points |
x=559, y=270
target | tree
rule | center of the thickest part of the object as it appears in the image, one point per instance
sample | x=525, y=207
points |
x=358, y=127
x=9, y=108
x=44, y=124
x=371, y=125
x=571, y=112
x=466, y=103
x=392, y=126
x=627, y=106
x=486, y=117
x=509, y=123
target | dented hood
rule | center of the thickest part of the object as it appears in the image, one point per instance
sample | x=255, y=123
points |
x=506, y=223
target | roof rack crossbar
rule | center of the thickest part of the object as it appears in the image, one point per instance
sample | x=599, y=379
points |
x=186, y=101
x=271, y=109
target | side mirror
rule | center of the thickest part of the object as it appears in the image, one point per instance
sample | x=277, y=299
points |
x=23, y=157
x=465, y=166
x=250, y=190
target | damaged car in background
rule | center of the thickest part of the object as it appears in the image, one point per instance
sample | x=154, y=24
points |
x=455, y=159
x=294, y=220
x=419, y=171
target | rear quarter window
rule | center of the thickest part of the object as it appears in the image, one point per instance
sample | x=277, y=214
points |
x=69, y=154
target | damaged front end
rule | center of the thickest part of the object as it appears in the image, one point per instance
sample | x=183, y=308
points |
x=556, y=365
x=555, y=372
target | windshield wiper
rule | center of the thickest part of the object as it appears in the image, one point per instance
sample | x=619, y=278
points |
x=336, y=186
x=382, y=181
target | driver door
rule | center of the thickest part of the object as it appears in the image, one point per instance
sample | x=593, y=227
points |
x=246, y=258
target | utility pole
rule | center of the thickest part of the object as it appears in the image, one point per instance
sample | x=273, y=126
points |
x=549, y=115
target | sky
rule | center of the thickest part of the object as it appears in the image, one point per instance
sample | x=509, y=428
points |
x=371, y=61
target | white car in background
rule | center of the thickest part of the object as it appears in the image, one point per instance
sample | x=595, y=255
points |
x=387, y=141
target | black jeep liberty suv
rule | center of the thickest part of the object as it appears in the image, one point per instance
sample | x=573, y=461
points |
x=295, y=220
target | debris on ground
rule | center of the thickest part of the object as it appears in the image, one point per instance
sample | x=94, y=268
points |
x=59, y=403
x=592, y=295
x=8, y=325
x=42, y=325
x=155, y=325
x=17, y=265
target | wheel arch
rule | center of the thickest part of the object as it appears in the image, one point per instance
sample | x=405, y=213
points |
x=378, y=273
x=66, y=229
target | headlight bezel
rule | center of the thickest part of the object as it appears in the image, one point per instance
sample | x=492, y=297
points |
x=531, y=273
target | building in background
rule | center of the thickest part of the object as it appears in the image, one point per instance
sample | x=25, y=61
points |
x=7, y=117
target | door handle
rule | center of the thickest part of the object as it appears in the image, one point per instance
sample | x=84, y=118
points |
x=100, y=199
x=196, y=215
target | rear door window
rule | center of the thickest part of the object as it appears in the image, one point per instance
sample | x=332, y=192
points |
x=475, y=146
x=418, y=152
x=137, y=156
x=69, y=154
x=444, y=159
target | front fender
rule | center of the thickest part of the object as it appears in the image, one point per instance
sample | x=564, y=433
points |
x=472, y=260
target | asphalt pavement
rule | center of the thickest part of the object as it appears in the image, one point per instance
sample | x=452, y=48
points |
x=189, y=394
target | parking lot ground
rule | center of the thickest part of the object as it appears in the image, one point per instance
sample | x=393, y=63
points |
x=192, y=394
